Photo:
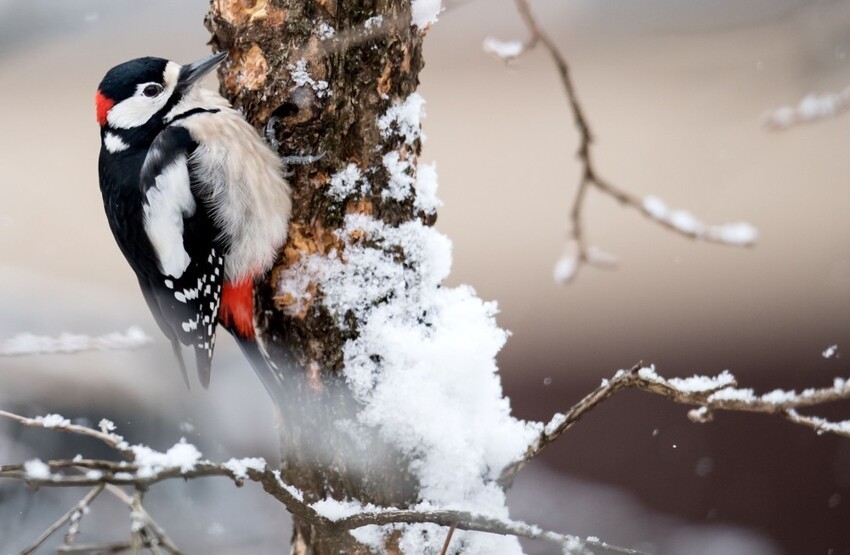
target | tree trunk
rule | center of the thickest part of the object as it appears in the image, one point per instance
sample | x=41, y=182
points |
x=324, y=72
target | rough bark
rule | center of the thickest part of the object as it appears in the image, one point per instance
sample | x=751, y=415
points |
x=367, y=68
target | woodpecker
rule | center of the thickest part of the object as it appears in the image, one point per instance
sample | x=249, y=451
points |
x=196, y=200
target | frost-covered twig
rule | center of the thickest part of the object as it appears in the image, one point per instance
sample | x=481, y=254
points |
x=29, y=344
x=475, y=523
x=812, y=108
x=159, y=533
x=58, y=422
x=103, y=548
x=150, y=467
x=707, y=393
x=578, y=252
x=73, y=515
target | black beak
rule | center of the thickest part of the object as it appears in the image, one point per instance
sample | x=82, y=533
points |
x=193, y=72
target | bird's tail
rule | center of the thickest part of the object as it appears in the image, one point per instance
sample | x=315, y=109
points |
x=266, y=370
x=238, y=316
x=178, y=354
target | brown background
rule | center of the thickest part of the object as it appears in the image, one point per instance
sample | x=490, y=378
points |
x=675, y=91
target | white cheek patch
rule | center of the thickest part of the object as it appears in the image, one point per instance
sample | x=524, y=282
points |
x=138, y=109
x=135, y=111
x=113, y=143
x=167, y=203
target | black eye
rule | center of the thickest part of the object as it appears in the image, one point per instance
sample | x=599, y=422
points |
x=152, y=90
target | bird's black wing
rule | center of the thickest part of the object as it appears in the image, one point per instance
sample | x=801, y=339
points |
x=186, y=290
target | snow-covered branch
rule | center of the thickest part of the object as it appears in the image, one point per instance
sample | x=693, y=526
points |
x=146, y=467
x=577, y=251
x=707, y=393
x=58, y=422
x=812, y=108
x=477, y=523
x=29, y=344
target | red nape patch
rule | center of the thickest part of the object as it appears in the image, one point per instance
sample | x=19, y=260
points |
x=102, y=105
x=237, y=307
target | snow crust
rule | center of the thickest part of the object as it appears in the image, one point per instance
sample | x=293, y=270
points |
x=425, y=12
x=347, y=182
x=422, y=362
x=53, y=420
x=240, y=467
x=29, y=344
x=565, y=268
x=36, y=469
x=421, y=345
x=507, y=50
x=401, y=179
x=335, y=510
x=841, y=427
x=426, y=189
x=295, y=492
x=375, y=21
x=812, y=107
x=830, y=352
x=699, y=384
x=404, y=118
x=734, y=394
x=181, y=455
x=557, y=419
x=325, y=31
x=302, y=78
x=733, y=233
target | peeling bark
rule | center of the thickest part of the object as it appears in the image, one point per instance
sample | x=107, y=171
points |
x=323, y=71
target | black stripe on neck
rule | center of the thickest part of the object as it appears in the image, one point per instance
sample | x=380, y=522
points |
x=194, y=111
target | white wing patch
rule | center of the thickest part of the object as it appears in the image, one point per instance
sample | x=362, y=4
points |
x=168, y=202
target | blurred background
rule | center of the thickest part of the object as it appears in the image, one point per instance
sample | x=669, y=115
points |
x=675, y=91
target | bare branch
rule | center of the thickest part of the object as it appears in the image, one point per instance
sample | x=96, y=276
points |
x=578, y=252
x=158, y=532
x=708, y=394
x=77, y=509
x=117, y=547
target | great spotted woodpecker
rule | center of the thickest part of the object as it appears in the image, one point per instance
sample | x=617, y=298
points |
x=195, y=199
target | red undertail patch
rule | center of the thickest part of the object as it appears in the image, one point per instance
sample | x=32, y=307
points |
x=237, y=307
x=102, y=104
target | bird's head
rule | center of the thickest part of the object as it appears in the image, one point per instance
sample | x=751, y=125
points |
x=141, y=92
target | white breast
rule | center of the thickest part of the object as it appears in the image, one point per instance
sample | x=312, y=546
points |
x=243, y=178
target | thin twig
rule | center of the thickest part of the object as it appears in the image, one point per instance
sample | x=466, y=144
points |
x=136, y=522
x=707, y=394
x=79, y=507
x=161, y=537
x=451, y=532
x=679, y=222
x=117, y=547
x=471, y=522
x=56, y=422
